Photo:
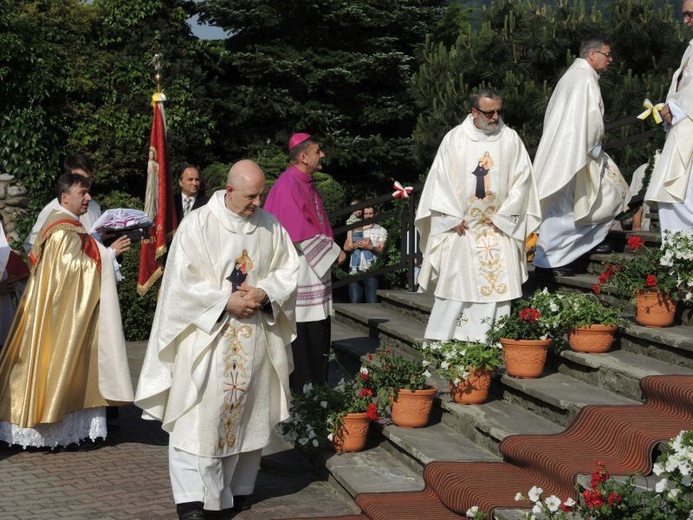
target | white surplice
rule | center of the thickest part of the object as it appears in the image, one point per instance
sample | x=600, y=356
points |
x=487, y=264
x=670, y=185
x=580, y=187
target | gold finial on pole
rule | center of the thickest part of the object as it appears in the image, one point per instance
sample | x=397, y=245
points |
x=156, y=62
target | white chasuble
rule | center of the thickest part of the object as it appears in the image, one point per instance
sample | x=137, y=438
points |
x=220, y=384
x=487, y=181
x=671, y=175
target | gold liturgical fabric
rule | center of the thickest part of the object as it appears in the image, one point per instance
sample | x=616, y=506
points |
x=49, y=365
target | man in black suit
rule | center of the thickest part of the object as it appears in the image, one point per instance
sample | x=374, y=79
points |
x=190, y=197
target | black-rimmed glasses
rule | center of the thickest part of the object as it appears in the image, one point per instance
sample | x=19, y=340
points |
x=490, y=113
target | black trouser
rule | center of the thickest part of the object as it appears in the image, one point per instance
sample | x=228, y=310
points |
x=311, y=349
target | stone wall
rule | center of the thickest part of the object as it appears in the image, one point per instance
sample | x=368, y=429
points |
x=14, y=200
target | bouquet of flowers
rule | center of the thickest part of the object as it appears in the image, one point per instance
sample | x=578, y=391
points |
x=667, y=268
x=317, y=413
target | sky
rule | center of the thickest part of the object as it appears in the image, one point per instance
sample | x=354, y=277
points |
x=206, y=32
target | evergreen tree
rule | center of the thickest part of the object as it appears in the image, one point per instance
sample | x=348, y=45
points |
x=522, y=48
x=336, y=68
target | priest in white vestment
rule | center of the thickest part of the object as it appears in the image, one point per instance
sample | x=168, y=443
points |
x=65, y=359
x=580, y=187
x=670, y=185
x=216, y=370
x=477, y=208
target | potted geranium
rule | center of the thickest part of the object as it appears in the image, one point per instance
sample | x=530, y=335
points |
x=527, y=333
x=652, y=277
x=590, y=324
x=331, y=416
x=467, y=365
x=401, y=387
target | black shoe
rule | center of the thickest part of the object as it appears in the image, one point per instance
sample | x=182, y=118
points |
x=604, y=248
x=193, y=515
x=241, y=503
x=563, y=271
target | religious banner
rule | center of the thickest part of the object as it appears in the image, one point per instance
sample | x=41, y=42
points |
x=158, y=202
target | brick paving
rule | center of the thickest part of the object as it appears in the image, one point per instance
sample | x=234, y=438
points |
x=128, y=478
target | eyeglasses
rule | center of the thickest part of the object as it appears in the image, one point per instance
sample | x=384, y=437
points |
x=490, y=113
x=607, y=55
x=687, y=14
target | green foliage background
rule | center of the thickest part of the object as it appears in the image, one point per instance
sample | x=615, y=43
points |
x=379, y=81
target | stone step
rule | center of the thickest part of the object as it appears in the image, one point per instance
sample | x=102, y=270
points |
x=488, y=424
x=555, y=397
x=374, y=470
x=618, y=371
x=436, y=442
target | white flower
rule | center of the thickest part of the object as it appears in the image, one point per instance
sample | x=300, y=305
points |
x=553, y=503
x=554, y=306
x=323, y=404
x=364, y=370
x=472, y=511
x=657, y=469
x=519, y=497
x=465, y=374
x=673, y=493
x=661, y=486
x=425, y=363
x=444, y=365
x=330, y=436
x=303, y=441
x=457, y=381
x=535, y=493
x=307, y=388
x=537, y=509
x=427, y=373
x=569, y=503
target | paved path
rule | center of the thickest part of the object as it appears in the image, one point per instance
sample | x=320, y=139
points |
x=128, y=478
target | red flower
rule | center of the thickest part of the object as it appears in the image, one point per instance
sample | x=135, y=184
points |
x=364, y=376
x=365, y=392
x=372, y=411
x=596, y=289
x=614, y=498
x=635, y=242
x=566, y=508
x=529, y=314
x=370, y=357
x=651, y=280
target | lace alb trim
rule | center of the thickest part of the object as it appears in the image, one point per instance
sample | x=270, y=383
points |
x=73, y=428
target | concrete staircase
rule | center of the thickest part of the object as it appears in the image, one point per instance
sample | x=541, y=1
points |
x=395, y=457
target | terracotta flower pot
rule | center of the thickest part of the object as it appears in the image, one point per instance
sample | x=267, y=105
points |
x=412, y=408
x=352, y=434
x=654, y=309
x=525, y=358
x=593, y=339
x=474, y=389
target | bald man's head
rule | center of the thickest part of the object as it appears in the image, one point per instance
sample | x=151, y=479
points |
x=244, y=187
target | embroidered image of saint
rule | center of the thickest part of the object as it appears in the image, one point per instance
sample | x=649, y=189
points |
x=242, y=266
x=481, y=173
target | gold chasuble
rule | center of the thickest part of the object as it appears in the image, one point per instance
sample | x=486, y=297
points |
x=49, y=366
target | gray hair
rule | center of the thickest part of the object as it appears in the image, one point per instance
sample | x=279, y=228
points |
x=483, y=93
x=592, y=43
